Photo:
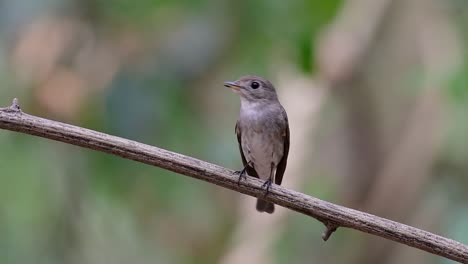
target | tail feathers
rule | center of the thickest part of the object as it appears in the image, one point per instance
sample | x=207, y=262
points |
x=264, y=206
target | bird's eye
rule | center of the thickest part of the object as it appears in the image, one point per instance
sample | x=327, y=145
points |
x=254, y=85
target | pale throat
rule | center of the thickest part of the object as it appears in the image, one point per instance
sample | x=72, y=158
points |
x=251, y=106
x=254, y=108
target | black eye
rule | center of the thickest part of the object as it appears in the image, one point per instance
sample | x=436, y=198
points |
x=254, y=85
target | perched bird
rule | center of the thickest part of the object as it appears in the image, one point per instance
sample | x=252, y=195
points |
x=262, y=132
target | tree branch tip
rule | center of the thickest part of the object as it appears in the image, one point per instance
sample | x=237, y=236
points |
x=330, y=229
x=13, y=108
x=15, y=105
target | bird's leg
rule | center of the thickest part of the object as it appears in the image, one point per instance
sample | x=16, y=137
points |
x=242, y=174
x=269, y=182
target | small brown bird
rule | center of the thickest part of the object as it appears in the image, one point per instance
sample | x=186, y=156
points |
x=262, y=132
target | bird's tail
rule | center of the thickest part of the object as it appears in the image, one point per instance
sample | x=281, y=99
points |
x=264, y=206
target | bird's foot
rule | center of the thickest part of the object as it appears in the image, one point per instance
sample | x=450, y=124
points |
x=242, y=175
x=267, y=185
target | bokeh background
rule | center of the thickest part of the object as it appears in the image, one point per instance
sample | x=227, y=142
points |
x=376, y=92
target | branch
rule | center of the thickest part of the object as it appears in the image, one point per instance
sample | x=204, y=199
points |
x=11, y=118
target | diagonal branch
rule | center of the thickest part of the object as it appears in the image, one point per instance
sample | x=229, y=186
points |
x=11, y=118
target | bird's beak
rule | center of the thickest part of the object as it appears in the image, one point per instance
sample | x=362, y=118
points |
x=232, y=85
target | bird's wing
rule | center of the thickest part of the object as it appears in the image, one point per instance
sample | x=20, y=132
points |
x=251, y=171
x=282, y=164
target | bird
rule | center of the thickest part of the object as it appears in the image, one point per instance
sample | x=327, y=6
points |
x=262, y=131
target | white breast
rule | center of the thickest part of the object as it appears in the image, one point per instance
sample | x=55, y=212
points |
x=261, y=143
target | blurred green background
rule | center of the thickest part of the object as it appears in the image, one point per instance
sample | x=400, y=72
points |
x=376, y=92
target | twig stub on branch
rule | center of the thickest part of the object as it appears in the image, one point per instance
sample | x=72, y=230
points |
x=14, y=107
x=330, y=228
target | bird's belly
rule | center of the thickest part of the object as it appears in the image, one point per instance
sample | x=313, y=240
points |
x=264, y=152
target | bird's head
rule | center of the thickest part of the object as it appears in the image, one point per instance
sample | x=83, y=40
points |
x=253, y=88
